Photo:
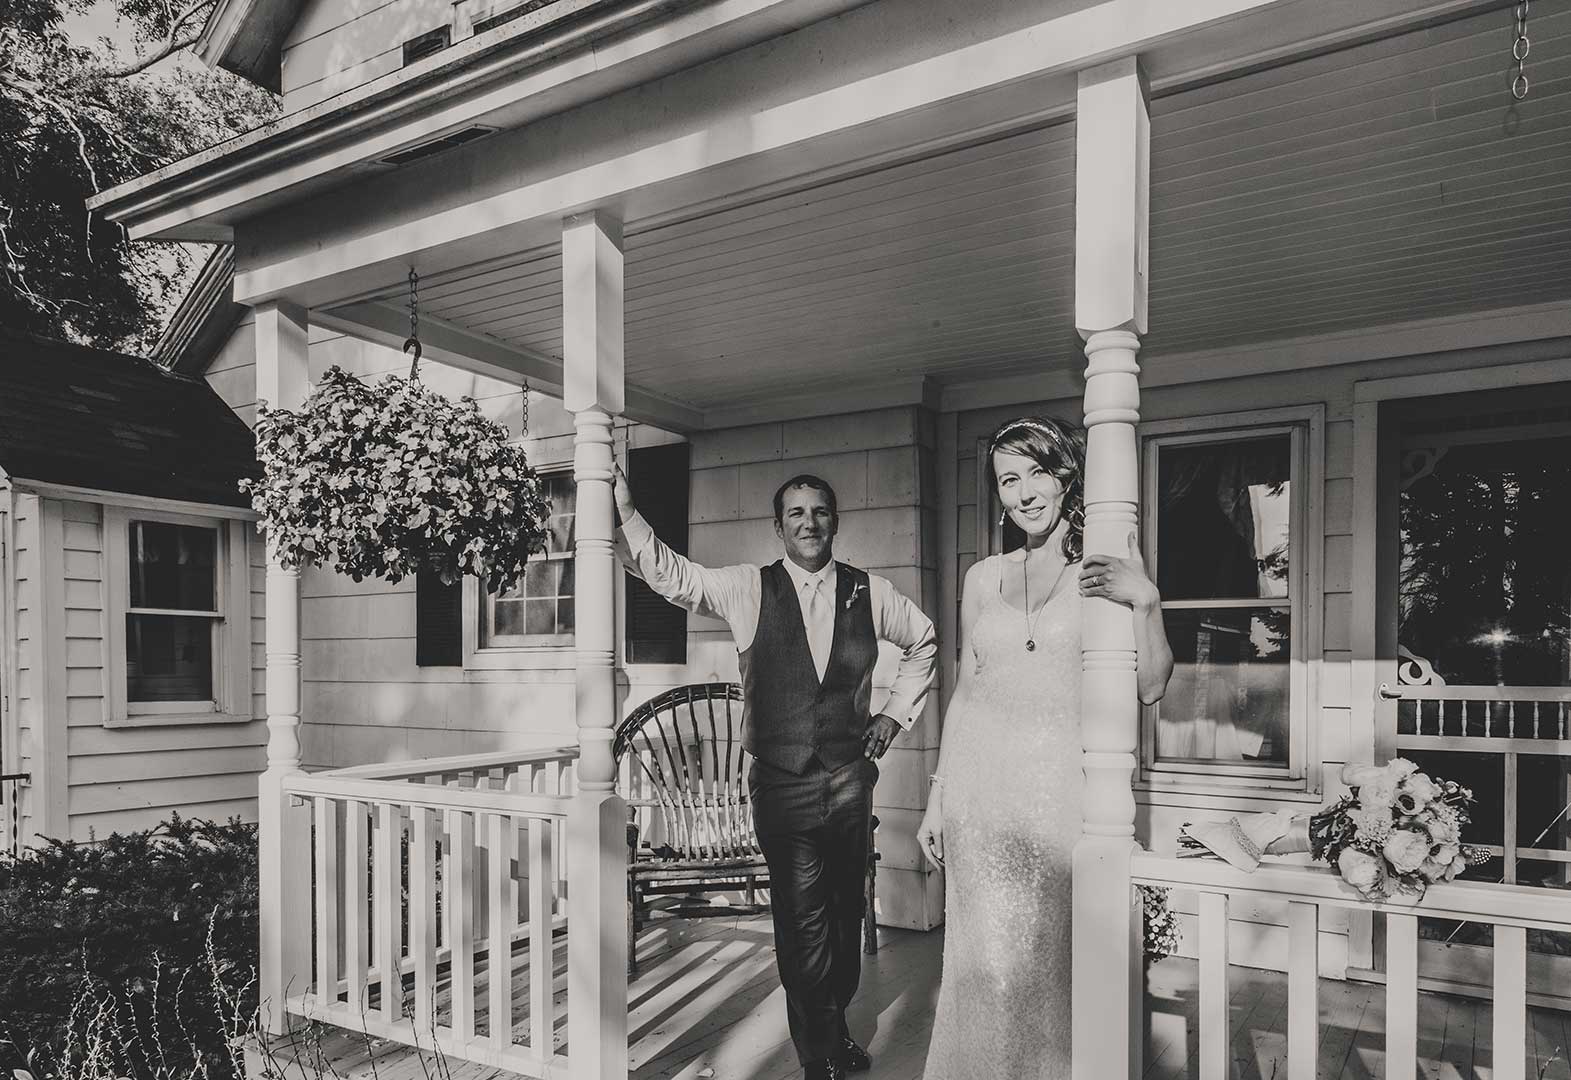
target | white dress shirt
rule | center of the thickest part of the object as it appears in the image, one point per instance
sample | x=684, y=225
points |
x=735, y=594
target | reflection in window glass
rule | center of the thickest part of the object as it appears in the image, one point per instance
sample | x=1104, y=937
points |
x=542, y=604
x=1223, y=515
x=1485, y=585
x=172, y=566
x=169, y=658
x=1228, y=699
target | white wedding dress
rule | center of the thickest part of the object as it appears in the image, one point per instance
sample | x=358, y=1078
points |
x=1011, y=817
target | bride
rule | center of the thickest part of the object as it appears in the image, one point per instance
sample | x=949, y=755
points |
x=1003, y=813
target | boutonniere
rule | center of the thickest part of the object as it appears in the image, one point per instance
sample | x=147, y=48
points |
x=856, y=590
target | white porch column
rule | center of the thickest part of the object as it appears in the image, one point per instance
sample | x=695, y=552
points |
x=283, y=831
x=1111, y=213
x=593, y=387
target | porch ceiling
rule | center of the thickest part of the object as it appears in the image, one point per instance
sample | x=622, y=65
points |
x=1384, y=183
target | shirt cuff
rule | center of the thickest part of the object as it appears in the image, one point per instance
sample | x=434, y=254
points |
x=638, y=533
x=898, y=709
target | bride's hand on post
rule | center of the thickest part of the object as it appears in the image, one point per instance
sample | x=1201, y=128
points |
x=1121, y=580
x=930, y=834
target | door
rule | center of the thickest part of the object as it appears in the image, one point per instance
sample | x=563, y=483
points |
x=1480, y=692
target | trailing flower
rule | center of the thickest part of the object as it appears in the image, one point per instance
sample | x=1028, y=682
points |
x=1160, y=923
x=384, y=479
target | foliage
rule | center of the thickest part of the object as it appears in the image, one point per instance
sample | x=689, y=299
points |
x=384, y=479
x=76, y=120
x=1397, y=833
x=1160, y=923
x=122, y=957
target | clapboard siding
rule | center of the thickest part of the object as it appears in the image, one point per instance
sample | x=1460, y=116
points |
x=331, y=39
x=24, y=695
x=1343, y=728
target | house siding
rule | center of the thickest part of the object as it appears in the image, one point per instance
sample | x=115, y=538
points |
x=25, y=631
x=1344, y=729
x=336, y=46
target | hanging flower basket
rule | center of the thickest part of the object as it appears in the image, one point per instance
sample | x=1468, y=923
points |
x=382, y=480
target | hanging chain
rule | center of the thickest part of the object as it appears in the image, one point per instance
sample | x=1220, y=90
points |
x=1519, y=50
x=412, y=342
x=523, y=423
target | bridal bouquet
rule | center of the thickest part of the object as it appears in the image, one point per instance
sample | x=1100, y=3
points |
x=1397, y=833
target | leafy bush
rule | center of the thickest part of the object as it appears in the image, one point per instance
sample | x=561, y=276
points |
x=129, y=956
x=382, y=480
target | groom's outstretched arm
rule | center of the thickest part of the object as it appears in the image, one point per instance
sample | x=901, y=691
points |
x=897, y=620
x=728, y=592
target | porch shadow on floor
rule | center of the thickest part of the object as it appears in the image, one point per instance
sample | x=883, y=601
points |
x=707, y=1005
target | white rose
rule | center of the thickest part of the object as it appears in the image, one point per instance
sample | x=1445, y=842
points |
x=1406, y=850
x=1360, y=869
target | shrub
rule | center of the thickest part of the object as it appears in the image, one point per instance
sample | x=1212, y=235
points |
x=129, y=952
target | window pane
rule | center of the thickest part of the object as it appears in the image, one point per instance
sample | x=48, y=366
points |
x=169, y=658
x=1223, y=518
x=172, y=566
x=562, y=494
x=508, y=616
x=539, y=616
x=1485, y=585
x=1228, y=698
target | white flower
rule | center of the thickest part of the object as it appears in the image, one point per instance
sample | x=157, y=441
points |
x=1360, y=869
x=1406, y=850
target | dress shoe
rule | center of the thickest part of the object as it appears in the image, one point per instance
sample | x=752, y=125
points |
x=852, y=1056
x=826, y=1069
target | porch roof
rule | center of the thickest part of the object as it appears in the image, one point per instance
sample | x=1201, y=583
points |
x=85, y=418
x=1293, y=210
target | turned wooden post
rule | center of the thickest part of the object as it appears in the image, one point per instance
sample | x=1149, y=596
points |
x=593, y=392
x=283, y=830
x=1111, y=200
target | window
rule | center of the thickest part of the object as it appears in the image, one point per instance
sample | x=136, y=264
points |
x=1226, y=536
x=539, y=609
x=655, y=632
x=179, y=618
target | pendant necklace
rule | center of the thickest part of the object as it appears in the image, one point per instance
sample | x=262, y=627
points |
x=1025, y=570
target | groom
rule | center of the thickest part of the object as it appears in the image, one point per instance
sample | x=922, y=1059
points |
x=807, y=630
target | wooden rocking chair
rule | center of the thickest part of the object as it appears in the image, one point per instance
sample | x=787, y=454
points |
x=683, y=768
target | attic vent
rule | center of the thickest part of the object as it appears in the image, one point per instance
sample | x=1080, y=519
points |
x=423, y=46
x=437, y=145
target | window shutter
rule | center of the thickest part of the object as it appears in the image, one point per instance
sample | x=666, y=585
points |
x=656, y=630
x=439, y=621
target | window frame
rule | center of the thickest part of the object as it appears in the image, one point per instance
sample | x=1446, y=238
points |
x=1305, y=426
x=481, y=649
x=231, y=700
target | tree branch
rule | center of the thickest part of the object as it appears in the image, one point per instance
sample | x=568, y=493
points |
x=178, y=38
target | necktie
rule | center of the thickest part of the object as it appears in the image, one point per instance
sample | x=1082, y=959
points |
x=820, y=625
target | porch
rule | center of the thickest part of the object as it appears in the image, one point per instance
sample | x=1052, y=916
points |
x=707, y=1006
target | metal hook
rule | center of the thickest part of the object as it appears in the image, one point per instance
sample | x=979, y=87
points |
x=413, y=343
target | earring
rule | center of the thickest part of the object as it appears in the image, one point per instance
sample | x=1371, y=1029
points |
x=1003, y=516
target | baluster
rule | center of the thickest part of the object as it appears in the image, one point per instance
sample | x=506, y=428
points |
x=542, y=963
x=458, y=872
x=1303, y=972
x=1489, y=719
x=1214, y=995
x=356, y=886
x=1510, y=719
x=422, y=918
x=389, y=909
x=1510, y=1004
x=1401, y=995
x=328, y=900
x=1535, y=719
x=499, y=956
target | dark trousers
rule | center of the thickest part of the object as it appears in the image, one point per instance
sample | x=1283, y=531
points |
x=813, y=829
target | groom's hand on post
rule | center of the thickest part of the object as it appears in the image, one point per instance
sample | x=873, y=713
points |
x=881, y=731
x=622, y=492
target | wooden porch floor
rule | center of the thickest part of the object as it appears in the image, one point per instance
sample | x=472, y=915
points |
x=707, y=1006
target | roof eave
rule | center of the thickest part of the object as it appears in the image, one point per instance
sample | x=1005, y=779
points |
x=246, y=37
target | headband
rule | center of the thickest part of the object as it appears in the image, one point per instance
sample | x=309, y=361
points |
x=1053, y=434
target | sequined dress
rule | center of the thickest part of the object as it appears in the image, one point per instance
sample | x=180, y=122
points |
x=1011, y=817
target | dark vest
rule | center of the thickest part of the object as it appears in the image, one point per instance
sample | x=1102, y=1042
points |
x=789, y=717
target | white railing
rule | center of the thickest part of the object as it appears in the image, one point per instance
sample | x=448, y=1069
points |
x=1507, y=721
x=427, y=877
x=1511, y=910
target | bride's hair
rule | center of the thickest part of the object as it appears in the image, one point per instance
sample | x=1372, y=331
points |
x=1060, y=448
